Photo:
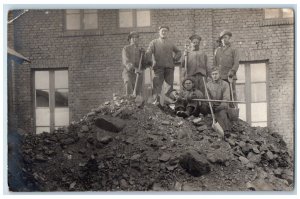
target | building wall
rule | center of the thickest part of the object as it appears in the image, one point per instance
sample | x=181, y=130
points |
x=94, y=58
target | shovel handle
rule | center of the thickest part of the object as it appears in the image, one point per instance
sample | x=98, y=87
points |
x=186, y=59
x=210, y=107
x=230, y=80
x=138, y=75
x=226, y=101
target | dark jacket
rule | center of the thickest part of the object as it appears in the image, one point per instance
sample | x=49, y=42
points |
x=196, y=63
x=227, y=58
x=161, y=52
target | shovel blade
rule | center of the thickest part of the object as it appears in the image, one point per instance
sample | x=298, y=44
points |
x=217, y=128
x=233, y=113
x=139, y=101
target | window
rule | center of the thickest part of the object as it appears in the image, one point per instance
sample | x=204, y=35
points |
x=134, y=18
x=276, y=13
x=51, y=100
x=251, y=87
x=81, y=19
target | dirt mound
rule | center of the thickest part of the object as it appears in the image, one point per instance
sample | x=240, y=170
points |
x=122, y=146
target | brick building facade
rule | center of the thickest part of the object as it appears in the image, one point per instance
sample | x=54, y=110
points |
x=93, y=57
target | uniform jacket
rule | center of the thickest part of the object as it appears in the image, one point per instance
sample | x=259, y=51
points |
x=131, y=54
x=227, y=58
x=219, y=90
x=162, y=51
x=196, y=63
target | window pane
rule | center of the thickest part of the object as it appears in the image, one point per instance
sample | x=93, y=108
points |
x=61, y=98
x=42, y=98
x=261, y=124
x=258, y=112
x=272, y=13
x=73, y=21
x=240, y=74
x=125, y=18
x=42, y=116
x=287, y=13
x=41, y=80
x=258, y=72
x=143, y=18
x=40, y=130
x=90, y=21
x=258, y=92
x=240, y=92
x=61, y=79
x=242, y=113
x=61, y=117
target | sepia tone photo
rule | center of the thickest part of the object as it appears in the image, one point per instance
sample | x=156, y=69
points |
x=155, y=100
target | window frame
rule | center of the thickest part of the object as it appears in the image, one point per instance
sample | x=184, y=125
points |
x=81, y=21
x=248, y=90
x=51, y=96
x=280, y=10
x=276, y=21
x=134, y=18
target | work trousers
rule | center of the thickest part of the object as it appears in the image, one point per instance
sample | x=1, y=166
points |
x=160, y=75
x=199, y=82
x=129, y=79
x=233, y=91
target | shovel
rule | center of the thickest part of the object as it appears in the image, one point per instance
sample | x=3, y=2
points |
x=138, y=98
x=233, y=113
x=215, y=125
x=186, y=59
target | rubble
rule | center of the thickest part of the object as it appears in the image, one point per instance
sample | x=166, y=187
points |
x=111, y=124
x=123, y=146
x=194, y=163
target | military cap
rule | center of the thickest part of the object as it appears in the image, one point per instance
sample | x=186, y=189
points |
x=225, y=32
x=195, y=37
x=215, y=68
x=166, y=27
x=188, y=78
x=133, y=33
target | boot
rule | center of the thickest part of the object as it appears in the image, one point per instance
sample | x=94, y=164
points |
x=156, y=100
x=189, y=110
x=181, y=114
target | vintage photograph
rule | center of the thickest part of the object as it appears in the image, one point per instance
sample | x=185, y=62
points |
x=155, y=100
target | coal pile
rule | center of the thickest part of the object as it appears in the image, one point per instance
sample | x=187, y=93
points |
x=124, y=146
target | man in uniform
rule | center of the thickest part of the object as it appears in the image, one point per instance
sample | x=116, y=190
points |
x=227, y=59
x=219, y=90
x=185, y=106
x=196, y=63
x=161, y=52
x=131, y=55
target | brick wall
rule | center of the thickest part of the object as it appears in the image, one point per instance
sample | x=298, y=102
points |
x=94, y=58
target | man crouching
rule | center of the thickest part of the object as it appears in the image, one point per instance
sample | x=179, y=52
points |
x=218, y=89
x=185, y=106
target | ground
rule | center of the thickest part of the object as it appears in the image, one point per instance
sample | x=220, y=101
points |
x=129, y=146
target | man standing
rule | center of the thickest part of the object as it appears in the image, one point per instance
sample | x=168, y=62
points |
x=196, y=63
x=130, y=60
x=219, y=90
x=161, y=52
x=227, y=59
